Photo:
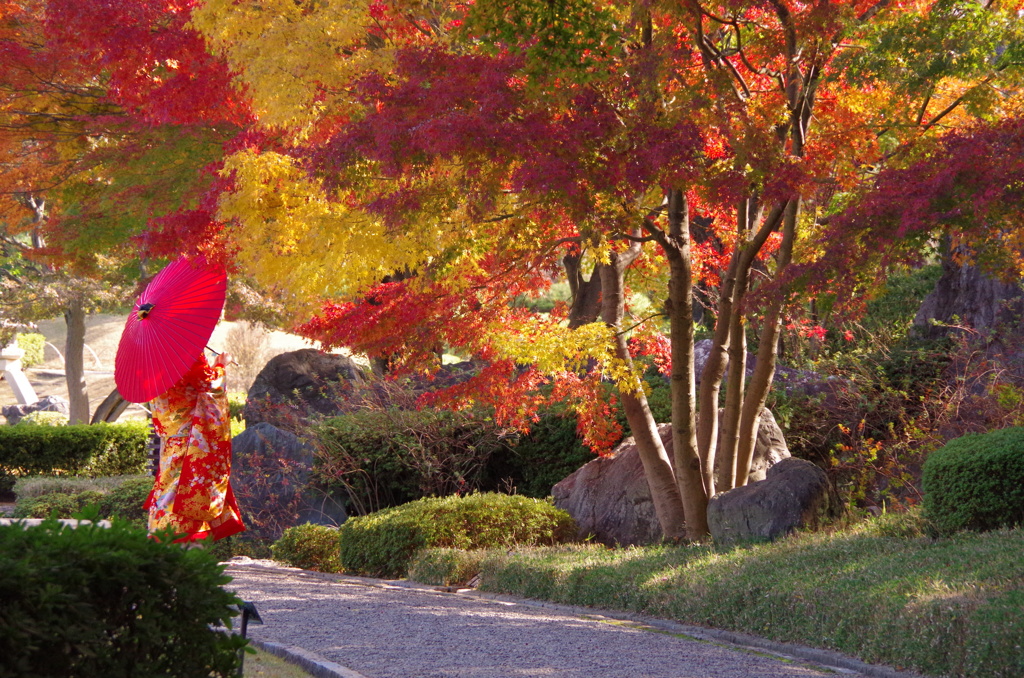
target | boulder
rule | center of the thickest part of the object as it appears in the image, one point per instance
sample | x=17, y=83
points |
x=609, y=497
x=769, y=449
x=965, y=296
x=297, y=384
x=789, y=380
x=270, y=473
x=15, y=413
x=795, y=495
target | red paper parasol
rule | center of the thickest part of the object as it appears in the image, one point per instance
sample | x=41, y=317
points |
x=165, y=334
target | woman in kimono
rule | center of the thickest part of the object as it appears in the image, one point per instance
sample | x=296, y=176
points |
x=192, y=493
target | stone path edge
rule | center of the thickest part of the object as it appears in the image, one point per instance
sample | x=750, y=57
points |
x=825, y=658
x=311, y=663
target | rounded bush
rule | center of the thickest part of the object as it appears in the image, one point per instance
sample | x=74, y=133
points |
x=44, y=419
x=309, y=546
x=102, y=603
x=56, y=504
x=125, y=501
x=976, y=482
x=382, y=544
x=120, y=498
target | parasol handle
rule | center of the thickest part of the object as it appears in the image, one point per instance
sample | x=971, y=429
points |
x=231, y=362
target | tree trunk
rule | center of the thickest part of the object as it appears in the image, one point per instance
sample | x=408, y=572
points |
x=728, y=439
x=689, y=478
x=764, y=370
x=728, y=324
x=74, y=361
x=586, y=294
x=668, y=504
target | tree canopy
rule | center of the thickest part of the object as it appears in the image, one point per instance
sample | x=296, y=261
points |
x=397, y=174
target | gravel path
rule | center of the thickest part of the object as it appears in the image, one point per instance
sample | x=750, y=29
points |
x=365, y=627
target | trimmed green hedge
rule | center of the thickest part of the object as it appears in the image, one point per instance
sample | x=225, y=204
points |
x=976, y=482
x=88, y=449
x=309, y=546
x=382, y=544
x=111, y=603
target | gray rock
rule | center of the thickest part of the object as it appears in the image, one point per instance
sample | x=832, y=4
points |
x=769, y=449
x=964, y=295
x=795, y=495
x=299, y=384
x=609, y=497
x=789, y=380
x=15, y=413
x=270, y=474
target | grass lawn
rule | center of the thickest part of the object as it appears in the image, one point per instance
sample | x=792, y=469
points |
x=881, y=591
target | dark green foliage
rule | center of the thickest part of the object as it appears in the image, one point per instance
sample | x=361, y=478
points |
x=976, y=482
x=56, y=504
x=390, y=457
x=547, y=454
x=110, y=603
x=125, y=501
x=382, y=544
x=311, y=547
x=914, y=365
x=890, y=315
x=89, y=449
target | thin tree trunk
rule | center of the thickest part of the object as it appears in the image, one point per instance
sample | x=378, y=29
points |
x=714, y=371
x=74, y=361
x=668, y=504
x=689, y=478
x=764, y=370
x=733, y=287
x=728, y=439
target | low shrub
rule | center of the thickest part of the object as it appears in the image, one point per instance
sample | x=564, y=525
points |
x=446, y=567
x=33, y=344
x=90, y=449
x=35, y=486
x=120, y=497
x=390, y=457
x=41, y=418
x=309, y=546
x=547, y=454
x=95, y=603
x=382, y=544
x=976, y=482
x=56, y=504
x=126, y=500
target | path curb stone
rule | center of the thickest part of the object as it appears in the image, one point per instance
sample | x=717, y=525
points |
x=311, y=663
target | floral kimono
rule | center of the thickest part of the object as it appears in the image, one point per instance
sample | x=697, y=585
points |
x=192, y=493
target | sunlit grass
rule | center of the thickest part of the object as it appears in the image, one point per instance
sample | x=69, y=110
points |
x=880, y=590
